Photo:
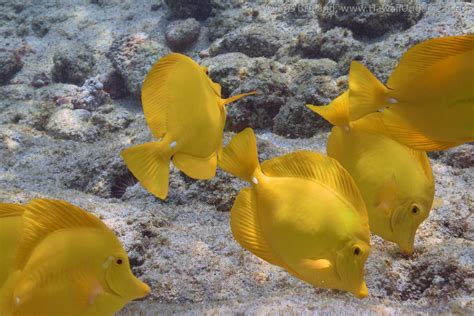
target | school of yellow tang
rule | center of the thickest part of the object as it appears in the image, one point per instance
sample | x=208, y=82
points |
x=306, y=212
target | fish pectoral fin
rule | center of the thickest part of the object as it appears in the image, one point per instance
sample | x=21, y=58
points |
x=337, y=112
x=437, y=202
x=150, y=164
x=236, y=97
x=385, y=197
x=317, y=167
x=366, y=93
x=318, y=264
x=246, y=228
x=419, y=57
x=196, y=167
x=7, y=289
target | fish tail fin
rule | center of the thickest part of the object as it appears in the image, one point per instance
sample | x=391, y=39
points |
x=336, y=112
x=366, y=93
x=150, y=164
x=237, y=97
x=240, y=157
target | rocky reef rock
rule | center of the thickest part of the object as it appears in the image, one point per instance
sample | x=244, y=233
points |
x=132, y=56
x=63, y=141
x=73, y=65
x=10, y=64
x=72, y=124
x=371, y=18
x=189, y=8
x=237, y=73
x=181, y=34
x=253, y=41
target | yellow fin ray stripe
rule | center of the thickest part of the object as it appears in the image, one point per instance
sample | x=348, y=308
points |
x=246, y=228
x=155, y=93
x=150, y=164
x=326, y=170
x=337, y=112
x=366, y=93
x=422, y=56
x=43, y=216
x=8, y=210
x=416, y=140
x=196, y=167
x=240, y=157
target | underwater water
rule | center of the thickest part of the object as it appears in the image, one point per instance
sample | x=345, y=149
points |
x=70, y=82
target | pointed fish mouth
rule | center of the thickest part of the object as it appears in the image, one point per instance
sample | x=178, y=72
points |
x=363, y=291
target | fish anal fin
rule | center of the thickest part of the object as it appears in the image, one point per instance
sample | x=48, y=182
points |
x=366, y=93
x=337, y=112
x=44, y=216
x=317, y=167
x=196, y=167
x=10, y=210
x=426, y=54
x=414, y=139
x=150, y=164
x=246, y=228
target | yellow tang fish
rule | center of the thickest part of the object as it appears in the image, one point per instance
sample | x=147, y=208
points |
x=185, y=111
x=67, y=263
x=10, y=232
x=303, y=213
x=429, y=98
x=396, y=181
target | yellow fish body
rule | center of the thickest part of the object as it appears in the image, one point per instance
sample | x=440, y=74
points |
x=68, y=263
x=429, y=98
x=185, y=111
x=10, y=232
x=303, y=213
x=396, y=181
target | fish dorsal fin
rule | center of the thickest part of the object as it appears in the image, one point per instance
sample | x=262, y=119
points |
x=10, y=210
x=43, y=217
x=155, y=92
x=336, y=112
x=426, y=54
x=315, y=166
x=246, y=229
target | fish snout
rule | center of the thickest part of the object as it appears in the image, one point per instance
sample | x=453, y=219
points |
x=139, y=290
x=362, y=292
x=407, y=250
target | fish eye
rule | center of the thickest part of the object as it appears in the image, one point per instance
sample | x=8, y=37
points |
x=415, y=209
x=357, y=251
x=119, y=261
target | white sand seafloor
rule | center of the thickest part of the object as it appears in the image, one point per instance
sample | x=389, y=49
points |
x=61, y=138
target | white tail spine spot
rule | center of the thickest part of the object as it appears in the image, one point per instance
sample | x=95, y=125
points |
x=173, y=144
x=254, y=180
